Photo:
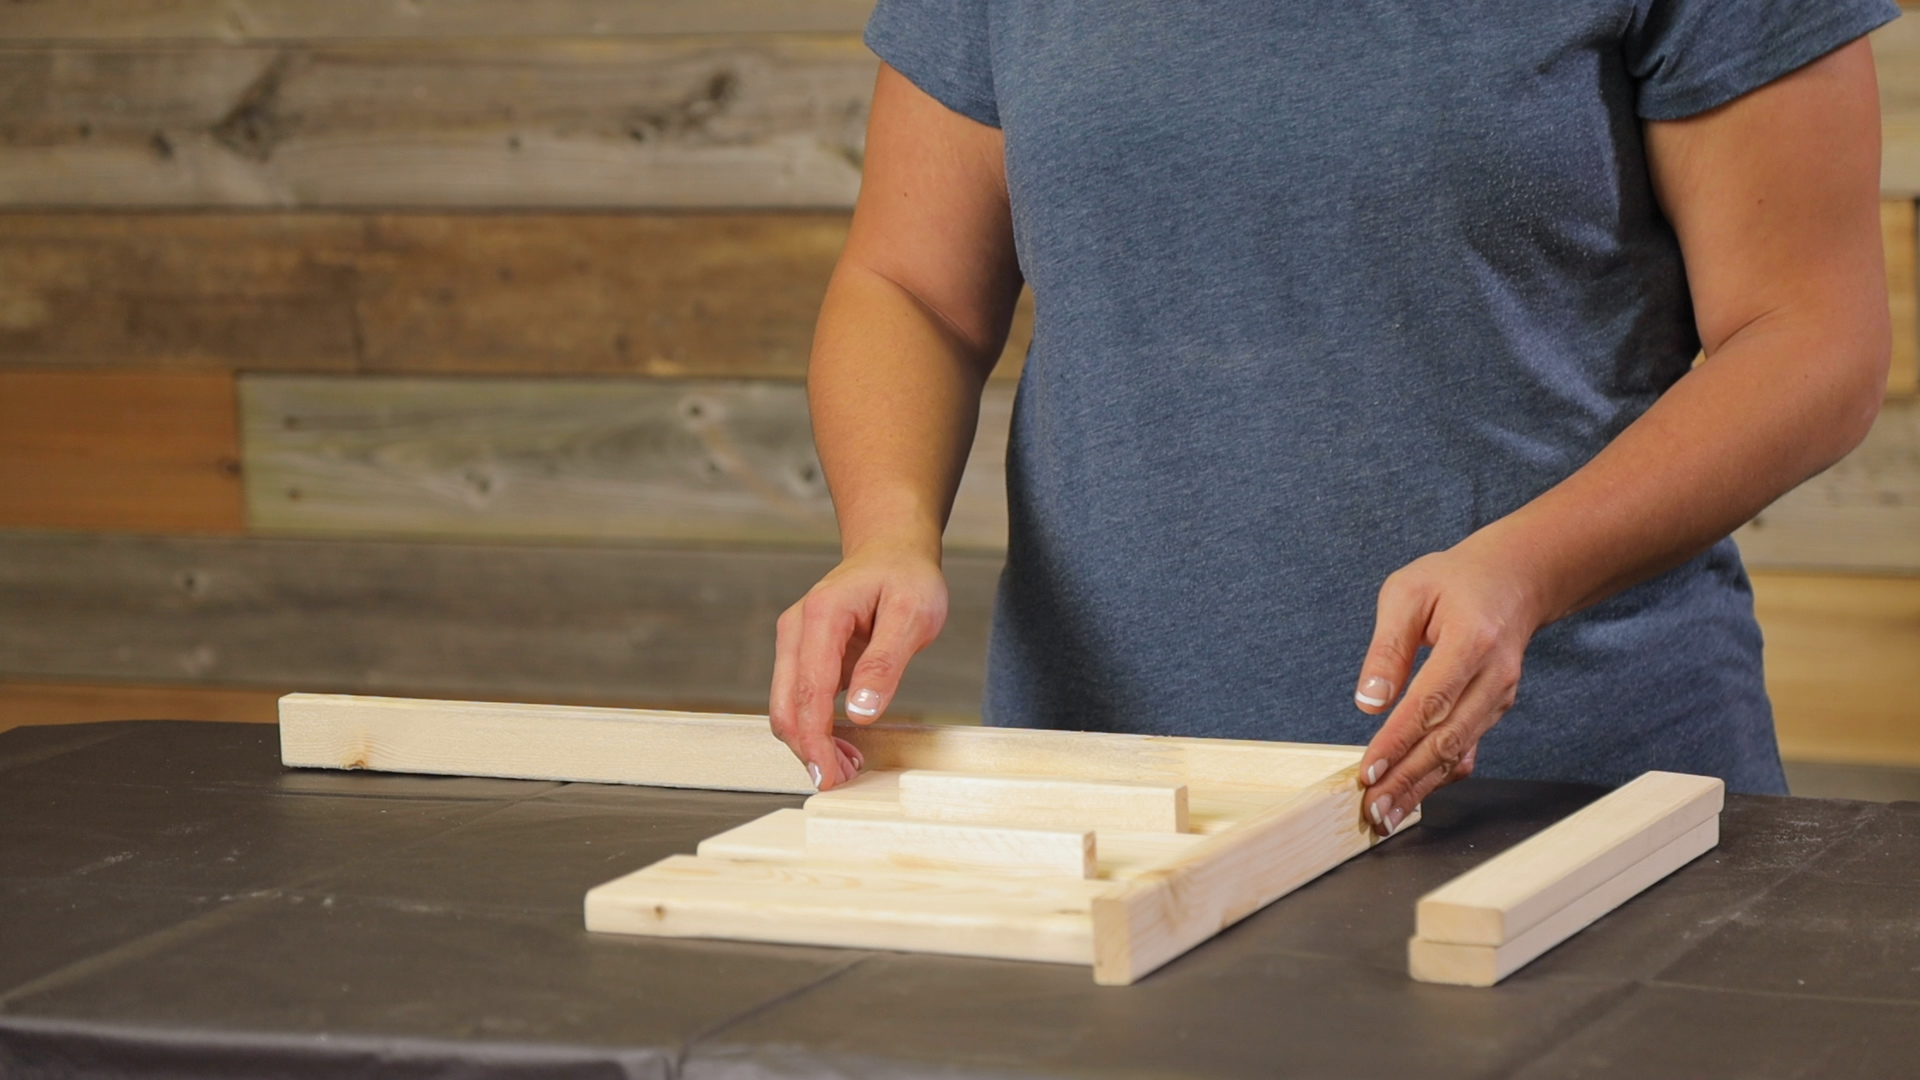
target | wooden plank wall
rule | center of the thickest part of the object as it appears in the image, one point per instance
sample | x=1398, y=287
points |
x=425, y=346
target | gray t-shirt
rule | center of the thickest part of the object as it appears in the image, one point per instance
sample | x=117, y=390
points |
x=1324, y=287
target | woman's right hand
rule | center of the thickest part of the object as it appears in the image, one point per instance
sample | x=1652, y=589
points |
x=854, y=631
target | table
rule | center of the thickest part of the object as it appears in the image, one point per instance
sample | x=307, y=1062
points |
x=174, y=903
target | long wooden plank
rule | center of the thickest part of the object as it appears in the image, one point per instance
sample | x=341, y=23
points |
x=576, y=459
x=1861, y=515
x=537, y=742
x=1164, y=912
x=1485, y=965
x=943, y=845
x=775, y=121
x=127, y=451
x=1517, y=890
x=230, y=21
x=670, y=626
x=680, y=294
x=1843, y=665
x=1019, y=918
x=1900, y=237
x=1044, y=801
x=26, y=703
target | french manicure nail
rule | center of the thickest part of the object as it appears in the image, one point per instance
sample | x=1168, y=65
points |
x=1373, y=773
x=1374, y=692
x=814, y=772
x=1393, y=820
x=863, y=702
x=1378, y=811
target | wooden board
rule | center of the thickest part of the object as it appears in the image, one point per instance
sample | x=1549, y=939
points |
x=1900, y=238
x=1861, y=515
x=24, y=703
x=1522, y=887
x=683, y=294
x=1841, y=665
x=568, y=459
x=1896, y=55
x=952, y=846
x=119, y=451
x=1061, y=802
x=665, y=122
x=287, y=20
x=1485, y=965
x=671, y=626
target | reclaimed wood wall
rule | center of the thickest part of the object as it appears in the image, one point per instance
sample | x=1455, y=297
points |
x=454, y=347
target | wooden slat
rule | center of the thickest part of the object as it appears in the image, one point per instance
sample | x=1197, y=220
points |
x=1843, y=665
x=460, y=620
x=119, y=451
x=1861, y=515
x=24, y=703
x=672, y=122
x=700, y=294
x=358, y=20
x=940, y=845
x=564, y=459
x=1896, y=56
x=1044, y=801
x=1899, y=239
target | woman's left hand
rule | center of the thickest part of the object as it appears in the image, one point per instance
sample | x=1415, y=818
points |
x=1476, y=608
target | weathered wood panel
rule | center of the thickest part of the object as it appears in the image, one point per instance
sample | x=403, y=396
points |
x=1902, y=243
x=1862, y=514
x=321, y=20
x=29, y=703
x=589, y=459
x=119, y=451
x=676, y=122
x=670, y=627
x=1843, y=665
x=1896, y=58
x=571, y=294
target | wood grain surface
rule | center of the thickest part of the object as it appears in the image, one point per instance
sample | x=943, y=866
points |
x=1898, y=237
x=677, y=294
x=1843, y=665
x=307, y=20
x=692, y=628
x=579, y=459
x=1896, y=56
x=127, y=451
x=1861, y=515
x=26, y=702
x=756, y=121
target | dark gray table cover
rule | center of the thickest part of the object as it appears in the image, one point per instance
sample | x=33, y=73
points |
x=175, y=904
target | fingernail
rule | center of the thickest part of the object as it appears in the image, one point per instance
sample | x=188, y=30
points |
x=1373, y=773
x=1378, y=811
x=1393, y=820
x=863, y=702
x=848, y=770
x=814, y=771
x=1374, y=692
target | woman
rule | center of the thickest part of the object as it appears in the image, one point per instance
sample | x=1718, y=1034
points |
x=1362, y=329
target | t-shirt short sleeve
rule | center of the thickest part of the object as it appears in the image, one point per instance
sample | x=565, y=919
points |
x=1694, y=55
x=942, y=47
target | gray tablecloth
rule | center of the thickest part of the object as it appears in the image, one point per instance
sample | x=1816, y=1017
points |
x=174, y=903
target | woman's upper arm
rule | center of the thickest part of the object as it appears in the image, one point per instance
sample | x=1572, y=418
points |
x=1775, y=198
x=933, y=216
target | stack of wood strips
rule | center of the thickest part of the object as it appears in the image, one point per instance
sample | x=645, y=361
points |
x=389, y=345
x=1486, y=924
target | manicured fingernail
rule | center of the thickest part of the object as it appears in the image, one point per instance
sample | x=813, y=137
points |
x=1374, y=693
x=1393, y=820
x=1378, y=811
x=863, y=702
x=814, y=771
x=1373, y=773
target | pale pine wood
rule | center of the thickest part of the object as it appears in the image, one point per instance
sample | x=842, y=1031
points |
x=776, y=121
x=1044, y=801
x=1162, y=913
x=576, y=459
x=1843, y=665
x=544, y=742
x=27, y=703
x=1485, y=965
x=1211, y=808
x=229, y=21
x=943, y=845
x=1522, y=887
x=1862, y=515
x=1899, y=238
x=122, y=451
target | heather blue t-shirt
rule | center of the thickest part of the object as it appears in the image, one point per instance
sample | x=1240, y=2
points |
x=1324, y=287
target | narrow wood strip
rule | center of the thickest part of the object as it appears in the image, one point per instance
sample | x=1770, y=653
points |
x=1015, y=918
x=953, y=846
x=232, y=21
x=123, y=451
x=450, y=620
x=1898, y=237
x=573, y=459
x=27, y=703
x=1861, y=515
x=1485, y=965
x=1044, y=801
x=1841, y=665
x=1166, y=911
x=1522, y=887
